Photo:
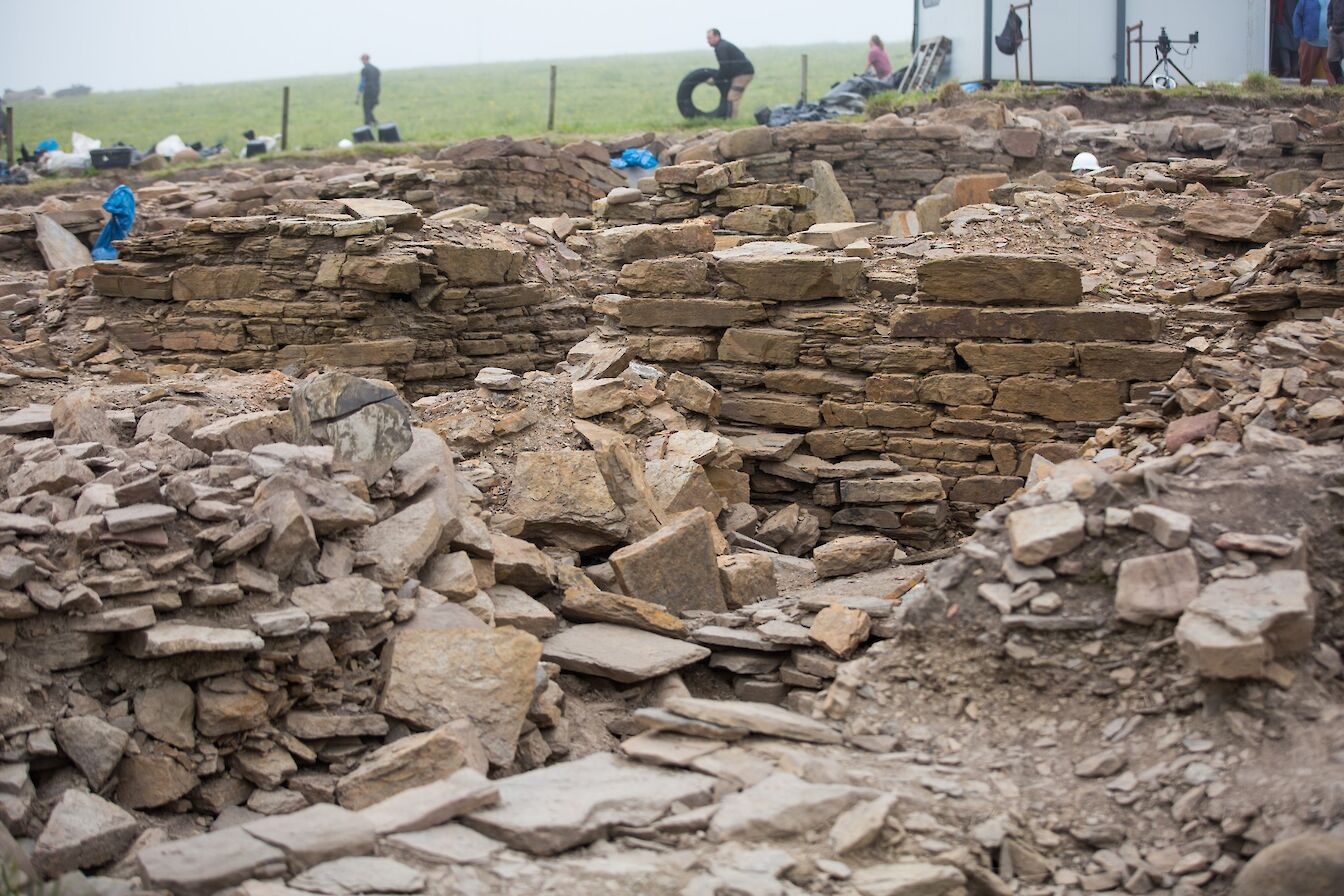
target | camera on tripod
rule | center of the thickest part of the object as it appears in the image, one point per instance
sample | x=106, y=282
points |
x=1163, y=48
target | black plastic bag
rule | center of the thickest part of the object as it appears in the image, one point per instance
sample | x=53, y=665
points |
x=1011, y=38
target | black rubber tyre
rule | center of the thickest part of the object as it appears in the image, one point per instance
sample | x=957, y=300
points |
x=686, y=95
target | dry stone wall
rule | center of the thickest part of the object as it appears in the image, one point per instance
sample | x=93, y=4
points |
x=874, y=410
x=888, y=164
x=360, y=284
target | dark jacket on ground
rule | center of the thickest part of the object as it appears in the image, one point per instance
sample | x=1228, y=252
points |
x=369, y=77
x=732, y=61
x=1335, y=17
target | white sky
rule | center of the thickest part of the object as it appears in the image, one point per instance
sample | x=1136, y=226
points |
x=159, y=43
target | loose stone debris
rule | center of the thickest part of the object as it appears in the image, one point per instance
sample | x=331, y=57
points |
x=675, y=542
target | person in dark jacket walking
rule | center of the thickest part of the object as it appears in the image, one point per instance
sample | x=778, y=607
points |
x=1334, y=23
x=735, y=69
x=1309, y=24
x=369, y=86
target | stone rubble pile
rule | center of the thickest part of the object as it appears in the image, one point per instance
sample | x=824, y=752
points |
x=213, y=595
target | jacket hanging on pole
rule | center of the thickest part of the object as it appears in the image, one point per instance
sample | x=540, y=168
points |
x=1011, y=38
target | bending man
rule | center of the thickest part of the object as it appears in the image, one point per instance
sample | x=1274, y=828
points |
x=735, y=69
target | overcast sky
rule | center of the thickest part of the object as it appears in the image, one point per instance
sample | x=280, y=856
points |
x=158, y=43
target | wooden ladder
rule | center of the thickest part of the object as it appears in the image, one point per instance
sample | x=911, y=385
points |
x=923, y=69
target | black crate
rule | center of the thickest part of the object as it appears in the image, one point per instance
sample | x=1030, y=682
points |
x=387, y=133
x=254, y=148
x=112, y=157
x=362, y=135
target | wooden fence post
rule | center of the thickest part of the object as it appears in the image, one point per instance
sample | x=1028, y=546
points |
x=284, y=121
x=550, y=113
x=9, y=136
x=804, y=93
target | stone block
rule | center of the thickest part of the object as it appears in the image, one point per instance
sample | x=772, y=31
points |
x=994, y=279
x=1158, y=586
x=1062, y=400
x=675, y=567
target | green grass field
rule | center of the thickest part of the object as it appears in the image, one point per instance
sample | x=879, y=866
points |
x=602, y=96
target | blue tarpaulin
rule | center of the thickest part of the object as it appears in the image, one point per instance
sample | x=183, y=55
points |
x=120, y=203
x=635, y=158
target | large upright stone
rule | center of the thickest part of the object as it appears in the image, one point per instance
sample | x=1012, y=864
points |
x=563, y=498
x=60, y=248
x=365, y=421
x=1158, y=586
x=675, y=567
x=991, y=279
x=80, y=416
x=831, y=205
x=561, y=806
x=487, y=676
x=84, y=831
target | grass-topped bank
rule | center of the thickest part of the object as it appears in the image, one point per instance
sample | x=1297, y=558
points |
x=601, y=96
x=1257, y=90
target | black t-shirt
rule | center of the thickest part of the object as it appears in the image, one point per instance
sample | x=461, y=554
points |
x=732, y=61
x=369, y=75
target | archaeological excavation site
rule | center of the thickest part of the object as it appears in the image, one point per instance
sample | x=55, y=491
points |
x=856, y=508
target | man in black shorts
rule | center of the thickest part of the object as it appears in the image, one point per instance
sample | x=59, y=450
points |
x=735, y=69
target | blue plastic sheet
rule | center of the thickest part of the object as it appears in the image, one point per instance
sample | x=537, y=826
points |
x=120, y=204
x=48, y=146
x=635, y=158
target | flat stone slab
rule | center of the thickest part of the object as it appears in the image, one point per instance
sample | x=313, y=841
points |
x=758, y=718
x=908, y=879
x=316, y=834
x=138, y=516
x=360, y=874
x=619, y=653
x=780, y=806
x=171, y=639
x=199, y=866
x=34, y=418
x=561, y=806
x=449, y=844
x=661, y=748
x=432, y=804
x=739, y=638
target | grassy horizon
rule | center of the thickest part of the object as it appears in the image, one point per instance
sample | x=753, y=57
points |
x=596, y=96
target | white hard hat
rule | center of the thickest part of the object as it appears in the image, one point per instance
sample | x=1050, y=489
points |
x=1085, y=163
x=345, y=144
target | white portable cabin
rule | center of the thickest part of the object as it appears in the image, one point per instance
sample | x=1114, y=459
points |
x=1084, y=41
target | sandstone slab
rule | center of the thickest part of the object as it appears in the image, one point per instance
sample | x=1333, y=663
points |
x=486, y=676
x=561, y=806
x=619, y=653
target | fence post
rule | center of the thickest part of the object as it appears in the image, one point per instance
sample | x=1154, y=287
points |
x=284, y=121
x=9, y=135
x=550, y=113
x=804, y=94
